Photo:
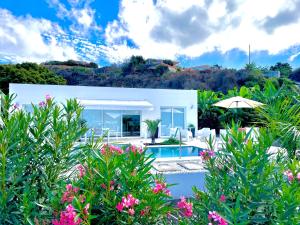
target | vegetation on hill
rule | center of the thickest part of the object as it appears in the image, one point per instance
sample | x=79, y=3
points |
x=31, y=73
x=145, y=73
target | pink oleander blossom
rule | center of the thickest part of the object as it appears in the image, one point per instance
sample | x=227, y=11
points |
x=111, y=149
x=16, y=106
x=127, y=202
x=68, y=195
x=120, y=206
x=86, y=209
x=81, y=170
x=289, y=175
x=42, y=104
x=131, y=211
x=68, y=217
x=161, y=187
x=207, y=154
x=222, y=198
x=134, y=149
x=48, y=97
x=214, y=216
x=186, y=207
x=81, y=198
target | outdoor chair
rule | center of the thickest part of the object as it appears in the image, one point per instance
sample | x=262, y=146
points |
x=203, y=134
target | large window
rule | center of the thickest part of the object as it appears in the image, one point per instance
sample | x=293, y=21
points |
x=93, y=119
x=112, y=122
x=119, y=123
x=171, y=118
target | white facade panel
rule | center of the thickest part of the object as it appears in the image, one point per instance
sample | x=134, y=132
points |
x=159, y=98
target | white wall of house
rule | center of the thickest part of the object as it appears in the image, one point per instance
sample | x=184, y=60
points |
x=33, y=93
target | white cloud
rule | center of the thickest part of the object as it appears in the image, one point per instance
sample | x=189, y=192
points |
x=294, y=56
x=80, y=13
x=172, y=28
x=29, y=39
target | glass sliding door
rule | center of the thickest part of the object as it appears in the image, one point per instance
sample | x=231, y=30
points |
x=117, y=122
x=171, y=118
x=131, y=123
x=112, y=122
x=166, y=121
x=93, y=119
x=178, y=117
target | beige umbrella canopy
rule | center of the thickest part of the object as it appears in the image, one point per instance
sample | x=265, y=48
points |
x=238, y=102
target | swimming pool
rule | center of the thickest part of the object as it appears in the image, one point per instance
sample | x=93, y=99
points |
x=173, y=151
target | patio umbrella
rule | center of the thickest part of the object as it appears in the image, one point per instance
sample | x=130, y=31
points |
x=238, y=102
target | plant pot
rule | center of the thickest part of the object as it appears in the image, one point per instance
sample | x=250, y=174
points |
x=156, y=133
x=193, y=131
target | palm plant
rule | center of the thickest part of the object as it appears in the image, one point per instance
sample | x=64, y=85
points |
x=282, y=117
x=152, y=126
x=207, y=113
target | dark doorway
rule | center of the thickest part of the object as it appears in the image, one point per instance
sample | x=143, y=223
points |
x=131, y=125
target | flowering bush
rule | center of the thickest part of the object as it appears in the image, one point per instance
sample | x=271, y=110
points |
x=114, y=185
x=247, y=185
x=36, y=151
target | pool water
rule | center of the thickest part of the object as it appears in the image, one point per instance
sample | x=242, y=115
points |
x=173, y=151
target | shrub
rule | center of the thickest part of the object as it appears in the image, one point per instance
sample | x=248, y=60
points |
x=171, y=141
x=115, y=186
x=36, y=151
x=247, y=185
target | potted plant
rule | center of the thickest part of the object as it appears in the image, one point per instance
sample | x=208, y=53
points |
x=152, y=126
x=192, y=129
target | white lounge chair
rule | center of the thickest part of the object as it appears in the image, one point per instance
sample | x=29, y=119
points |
x=203, y=134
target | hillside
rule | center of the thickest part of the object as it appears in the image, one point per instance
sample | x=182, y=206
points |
x=140, y=73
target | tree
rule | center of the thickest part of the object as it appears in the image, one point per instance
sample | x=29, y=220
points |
x=285, y=69
x=31, y=73
x=152, y=126
x=295, y=75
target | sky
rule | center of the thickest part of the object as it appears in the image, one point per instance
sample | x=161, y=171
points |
x=192, y=32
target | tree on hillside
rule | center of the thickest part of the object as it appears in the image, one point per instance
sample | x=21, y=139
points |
x=285, y=69
x=135, y=63
x=30, y=73
x=295, y=75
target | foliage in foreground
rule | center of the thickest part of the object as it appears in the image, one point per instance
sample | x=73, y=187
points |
x=248, y=184
x=36, y=151
x=115, y=186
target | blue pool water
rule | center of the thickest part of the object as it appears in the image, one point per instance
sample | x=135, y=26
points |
x=174, y=151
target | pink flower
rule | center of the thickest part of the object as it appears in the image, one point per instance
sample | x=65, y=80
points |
x=42, y=104
x=48, y=97
x=68, y=195
x=81, y=170
x=298, y=176
x=143, y=212
x=112, y=149
x=134, y=149
x=86, y=209
x=68, y=217
x=131, y=211
x=81, y=198
x=213, y=215
x=120, y=206
x=207, y=154
x=289, y=175
x=161, y=187
x=222, y=198
x=186, y=207
x=127, y=202
x=16, y=106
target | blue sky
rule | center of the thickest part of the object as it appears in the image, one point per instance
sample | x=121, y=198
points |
x=193, y=32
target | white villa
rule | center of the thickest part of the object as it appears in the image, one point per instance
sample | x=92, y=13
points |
x=121, y=111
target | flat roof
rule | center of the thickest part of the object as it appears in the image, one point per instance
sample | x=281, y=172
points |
x=82, y=86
